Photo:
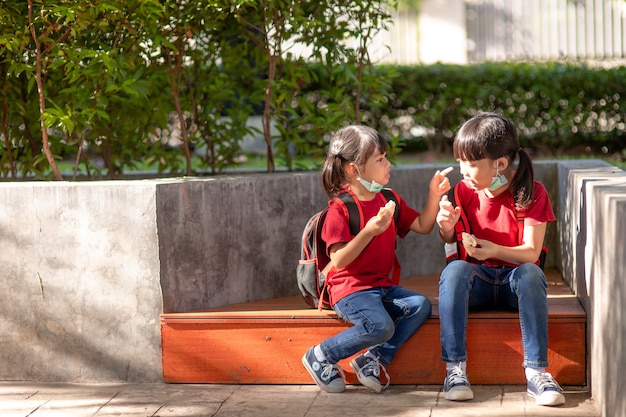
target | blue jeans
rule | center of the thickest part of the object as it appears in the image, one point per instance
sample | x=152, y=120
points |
x=464, y=286
x=383, y=318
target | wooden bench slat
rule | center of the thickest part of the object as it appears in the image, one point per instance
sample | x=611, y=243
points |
x=562, y=304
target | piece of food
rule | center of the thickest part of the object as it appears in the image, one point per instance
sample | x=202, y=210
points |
x=390, y=207
x=469, y=239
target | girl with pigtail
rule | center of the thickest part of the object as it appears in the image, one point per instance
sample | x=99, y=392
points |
x=361, y=287
x=498, y=263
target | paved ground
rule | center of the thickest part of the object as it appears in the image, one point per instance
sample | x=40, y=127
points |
x=195, y=400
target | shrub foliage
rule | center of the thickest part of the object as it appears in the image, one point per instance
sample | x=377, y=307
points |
x=111, y=86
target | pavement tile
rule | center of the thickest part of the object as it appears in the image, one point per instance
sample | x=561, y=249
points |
x=351, y=411
x=398, y=400
x=185, y=409
x=264, y=409
x=401, y=396
x=25, y=399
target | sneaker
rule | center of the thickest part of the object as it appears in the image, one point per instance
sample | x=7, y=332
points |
x=367, y=370
x=456, y=386
x=545, y=390
x=328, y=376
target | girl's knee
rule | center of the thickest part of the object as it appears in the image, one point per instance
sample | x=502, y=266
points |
x=425, y=307
x=530, y=268
x=530, y=280
x=381, y=330
x=454, y=267
x=419, y=308
x=454, y=276
x=530, y=274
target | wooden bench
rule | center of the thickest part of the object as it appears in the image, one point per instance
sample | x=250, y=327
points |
x=263, y=342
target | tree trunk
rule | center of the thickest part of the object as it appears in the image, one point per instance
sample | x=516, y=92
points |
x=266, y=119
x=42, y=103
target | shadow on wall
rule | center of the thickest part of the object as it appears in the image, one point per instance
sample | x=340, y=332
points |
x=59, y=341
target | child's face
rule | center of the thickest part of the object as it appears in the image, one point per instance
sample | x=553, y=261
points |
x=479, y=173
x=377, y=168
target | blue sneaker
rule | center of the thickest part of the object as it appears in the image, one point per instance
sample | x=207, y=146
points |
x=545, y=390
x=328, y=376
x=367, y=370
x=456, y=386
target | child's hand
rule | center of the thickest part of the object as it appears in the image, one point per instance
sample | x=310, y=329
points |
x=390, y=207
x=379, y=223
x=440, y=184
x=447, y=216
x=469, y=240
x=484, y=249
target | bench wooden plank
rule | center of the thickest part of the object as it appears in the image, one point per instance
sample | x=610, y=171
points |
x=562, y=304
x=263, y=342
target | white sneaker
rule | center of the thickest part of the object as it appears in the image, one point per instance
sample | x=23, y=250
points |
x=456, y=386
x=545, y=390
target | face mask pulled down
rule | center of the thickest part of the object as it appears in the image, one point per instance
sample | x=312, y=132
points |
x=372, y=186
x=498, y=181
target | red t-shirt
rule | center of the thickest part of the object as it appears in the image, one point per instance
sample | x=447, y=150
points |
x=373, y=267
x=494, y=219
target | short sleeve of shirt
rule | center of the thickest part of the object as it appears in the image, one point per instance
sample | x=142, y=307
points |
x=540, y=210
x=336, y=229
x=407, y=216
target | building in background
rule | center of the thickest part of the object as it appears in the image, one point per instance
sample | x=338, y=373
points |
x=472, y=31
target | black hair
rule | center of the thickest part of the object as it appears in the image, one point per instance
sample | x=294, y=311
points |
x=491, y=135
x=351, y=144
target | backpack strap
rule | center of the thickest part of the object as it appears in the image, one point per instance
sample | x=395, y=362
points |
x=461, y=226
x=353, y=211
x=391, y=195
x=520, y=215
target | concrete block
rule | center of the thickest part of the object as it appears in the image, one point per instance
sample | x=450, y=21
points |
x=79, y=282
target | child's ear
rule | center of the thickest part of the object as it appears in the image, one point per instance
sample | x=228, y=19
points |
x=352, y=170
x=502, y=163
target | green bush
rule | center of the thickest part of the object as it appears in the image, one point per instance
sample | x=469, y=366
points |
x=560, y=109
x=557, y=107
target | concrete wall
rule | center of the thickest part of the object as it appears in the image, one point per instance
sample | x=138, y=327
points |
x=225, y=241
x=79, y=282
x=88, y=267
x=593, y=239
